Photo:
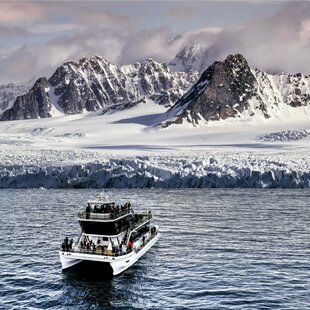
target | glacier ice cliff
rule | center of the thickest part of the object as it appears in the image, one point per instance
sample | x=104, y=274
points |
x=210, y=170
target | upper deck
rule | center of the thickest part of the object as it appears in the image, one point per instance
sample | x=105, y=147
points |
x=106, y=218
x=104, y=211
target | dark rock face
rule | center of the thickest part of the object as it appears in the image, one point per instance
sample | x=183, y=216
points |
x=221, y=92
x=229, y=88
x=229, y=85
x=33, y=104
x=9, y=93
x=91, y=84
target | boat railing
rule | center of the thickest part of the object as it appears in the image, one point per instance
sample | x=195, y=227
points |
x=102, y=216
x=144, y=217
x=103, y=252
x=96, y=252
x=153, y=234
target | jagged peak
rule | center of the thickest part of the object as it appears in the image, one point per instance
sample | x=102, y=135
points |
x=150, y=65
x=235, y=64
x=191, y=58
x=236, y=60
x=40, y=81
x=84, y=61
x=190, y=50
x=150, y=62
x=99, y=57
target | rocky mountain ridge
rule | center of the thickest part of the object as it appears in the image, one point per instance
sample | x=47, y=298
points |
x=231, y=89
x=9, y=92
x=226, y=89
x=94, y=83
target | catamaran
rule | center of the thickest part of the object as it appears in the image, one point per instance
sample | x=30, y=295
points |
x=113, y=235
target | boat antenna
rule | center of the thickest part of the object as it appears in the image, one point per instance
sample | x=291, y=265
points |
x=103, y=196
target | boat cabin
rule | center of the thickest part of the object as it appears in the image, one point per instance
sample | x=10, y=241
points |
x=105, y=218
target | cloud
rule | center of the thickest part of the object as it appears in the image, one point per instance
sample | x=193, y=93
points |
x=149, y=44
x=180, y=12
x=275, y=43
x=305, y=30
x=13, y=31
x=101, y=17
x=20, y=12
x=27, y=61
x=54, y=28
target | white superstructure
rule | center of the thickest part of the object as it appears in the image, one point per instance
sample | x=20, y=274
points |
x=112, y=235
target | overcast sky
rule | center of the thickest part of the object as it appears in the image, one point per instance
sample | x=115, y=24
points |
x=38, y=36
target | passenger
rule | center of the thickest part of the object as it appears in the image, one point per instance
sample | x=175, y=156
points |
x=129, y=244
x=63, y=246
x=66, y=242
x=70, y=244
x=88, y=209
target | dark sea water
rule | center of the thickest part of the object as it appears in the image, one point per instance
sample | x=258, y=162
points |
x=219, y=249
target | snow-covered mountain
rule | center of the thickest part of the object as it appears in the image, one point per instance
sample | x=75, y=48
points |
x=94, y=83
x=9, y=93
x=226, y=89
x=191, y=58
x=231, y=89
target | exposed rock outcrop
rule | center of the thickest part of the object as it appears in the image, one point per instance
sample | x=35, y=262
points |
x=94, y=83
x=230, y=88
x=34, y=104
x=9, y=92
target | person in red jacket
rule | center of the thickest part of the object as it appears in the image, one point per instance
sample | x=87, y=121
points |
x=129, y=244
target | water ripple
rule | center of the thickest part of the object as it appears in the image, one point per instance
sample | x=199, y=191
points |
x=219, y=249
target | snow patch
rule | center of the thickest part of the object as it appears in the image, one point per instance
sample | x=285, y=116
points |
x=284, y=136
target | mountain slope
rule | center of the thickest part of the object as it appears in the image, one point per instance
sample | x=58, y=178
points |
x=91, y=84
x=35, y=103
x=191, y=58
x=230, y=89
x=9, y=93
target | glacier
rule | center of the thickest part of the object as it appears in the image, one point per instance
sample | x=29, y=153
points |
x=82, y=169
x=118, y=148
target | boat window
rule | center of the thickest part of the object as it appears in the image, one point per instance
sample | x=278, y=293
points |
x=103, y=228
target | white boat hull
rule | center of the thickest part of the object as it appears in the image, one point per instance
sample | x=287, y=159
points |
x=117, y=263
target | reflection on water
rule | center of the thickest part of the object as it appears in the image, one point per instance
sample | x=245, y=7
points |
x=219, y=249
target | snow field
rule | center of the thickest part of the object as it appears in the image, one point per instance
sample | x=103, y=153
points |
x=124, y=150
